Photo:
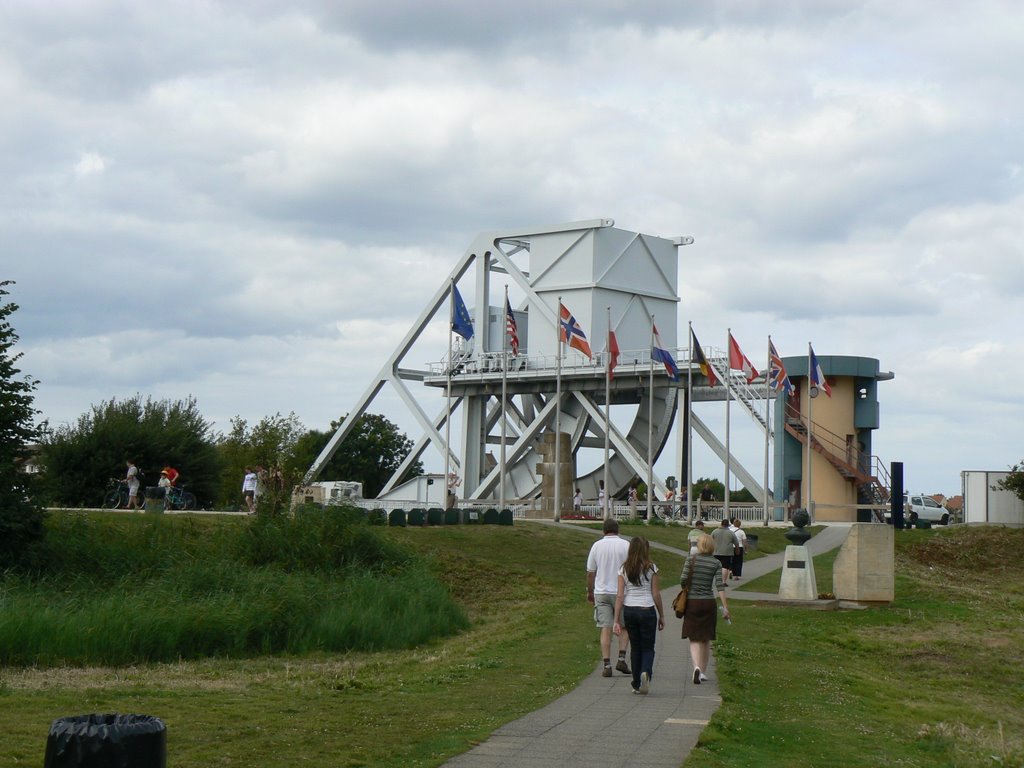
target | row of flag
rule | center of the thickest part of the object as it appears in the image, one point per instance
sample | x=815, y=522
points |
x=570, y=332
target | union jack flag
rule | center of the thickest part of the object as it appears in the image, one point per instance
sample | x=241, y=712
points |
x=513, y=330
x=777, y=371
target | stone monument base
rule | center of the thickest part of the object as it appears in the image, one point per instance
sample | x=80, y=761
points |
x=864, y=569
x=798, y=575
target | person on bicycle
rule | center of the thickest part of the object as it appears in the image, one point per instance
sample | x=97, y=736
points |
x=133, y=485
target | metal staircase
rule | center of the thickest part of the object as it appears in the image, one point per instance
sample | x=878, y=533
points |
x=866, y=471
x=741, y=391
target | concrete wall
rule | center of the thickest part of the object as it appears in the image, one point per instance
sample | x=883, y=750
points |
x=864, y=569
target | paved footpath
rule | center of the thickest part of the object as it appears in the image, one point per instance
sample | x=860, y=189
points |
x=602, y=724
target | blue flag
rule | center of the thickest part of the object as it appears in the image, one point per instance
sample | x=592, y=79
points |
x=461, y=322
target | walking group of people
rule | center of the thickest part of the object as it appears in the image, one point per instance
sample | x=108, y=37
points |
x=623, y=586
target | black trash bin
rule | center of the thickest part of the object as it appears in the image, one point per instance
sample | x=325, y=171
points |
x=102, y=741
x=435, y=516
x=155, y=498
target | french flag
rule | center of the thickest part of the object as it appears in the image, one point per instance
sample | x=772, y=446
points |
x=659, y=353
x=817, y=376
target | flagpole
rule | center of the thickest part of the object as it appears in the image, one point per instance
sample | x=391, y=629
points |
x=728, y=397
x=605, y=514
x=689, y=423
x=810, y=435
x=558, y=409
x=650, y=431
x=448, y=398
x=504, y=397
x=767, y=422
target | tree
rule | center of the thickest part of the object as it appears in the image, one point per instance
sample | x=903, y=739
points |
x=270, y=444
x=79, y=459
x=716, y=486
x=370, y=454
x=21, y=517
x=1013, y=482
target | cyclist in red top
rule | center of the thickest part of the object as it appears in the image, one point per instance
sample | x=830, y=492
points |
x=172, y=474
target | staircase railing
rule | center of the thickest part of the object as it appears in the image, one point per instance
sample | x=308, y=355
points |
x=741, y=391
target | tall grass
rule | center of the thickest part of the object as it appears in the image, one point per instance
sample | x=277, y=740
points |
x=123, y=590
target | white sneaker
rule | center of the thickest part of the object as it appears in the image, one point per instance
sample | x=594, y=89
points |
x=645, y=683
x=703, y=677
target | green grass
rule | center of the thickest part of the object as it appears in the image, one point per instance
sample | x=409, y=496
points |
x=932, y=680
x=531, y=640
x=133, y=589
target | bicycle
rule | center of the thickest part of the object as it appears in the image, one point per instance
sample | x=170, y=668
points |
x=178, y=498
x=670, y=510
x=117, y=497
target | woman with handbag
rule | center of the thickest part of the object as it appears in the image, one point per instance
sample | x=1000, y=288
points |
x=703, y=571
x=638, y=609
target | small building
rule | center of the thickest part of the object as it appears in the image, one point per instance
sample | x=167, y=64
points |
x=985, y=502
x=845, y=477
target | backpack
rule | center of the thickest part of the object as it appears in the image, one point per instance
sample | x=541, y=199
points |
x=139, y=474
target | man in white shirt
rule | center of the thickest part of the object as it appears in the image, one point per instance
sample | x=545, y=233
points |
x=741, y=537
x=249, y=490
x=603, y=563
x=133, y=486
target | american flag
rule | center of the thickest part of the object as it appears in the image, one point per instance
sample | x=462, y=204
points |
x=777, y=371
x=513, y=331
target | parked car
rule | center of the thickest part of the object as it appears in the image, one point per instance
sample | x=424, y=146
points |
x=920, y=507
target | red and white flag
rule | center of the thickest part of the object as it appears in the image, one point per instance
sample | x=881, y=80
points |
x=740, y=362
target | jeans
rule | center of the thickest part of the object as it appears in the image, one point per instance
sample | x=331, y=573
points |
x=642, y=626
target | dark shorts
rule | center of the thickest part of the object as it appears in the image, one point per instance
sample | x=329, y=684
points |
x=725, y=560
x=249, y=494
x=700, y=619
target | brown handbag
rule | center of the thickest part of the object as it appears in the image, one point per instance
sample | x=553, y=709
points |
x=679, y=603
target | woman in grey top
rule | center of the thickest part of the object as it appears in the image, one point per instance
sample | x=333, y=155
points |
x=701, y=615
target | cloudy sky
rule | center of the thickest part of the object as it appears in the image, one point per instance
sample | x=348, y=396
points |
x=251, y=202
